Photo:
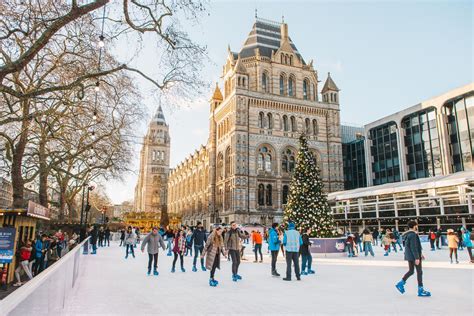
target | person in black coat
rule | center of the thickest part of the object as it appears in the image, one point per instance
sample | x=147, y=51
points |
x=93, y=240
x=414, y=257
x=375, y=236
x=306, y=257
x=198, y=239
x=107, y=237
x=122, y=237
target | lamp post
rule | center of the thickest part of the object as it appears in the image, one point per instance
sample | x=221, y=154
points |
x=88, y=207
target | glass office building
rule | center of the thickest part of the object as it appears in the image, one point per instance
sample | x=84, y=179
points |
x=422, y=147
x=460, y=128
x=384, y=151
x=353, y=154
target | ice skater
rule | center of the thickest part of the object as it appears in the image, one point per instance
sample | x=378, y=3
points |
x=232, y=243
x=257, y=245
x=453, y=242
x=130, y=239
x=306, y=257
x=153, y=241
x=292, y=242
x=212, y=251
x=179, y=248
x=466, y=236
x=274, y=246
x=414, y=257
x=198, y=238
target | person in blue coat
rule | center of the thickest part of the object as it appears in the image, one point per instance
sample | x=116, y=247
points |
x=466, y=238
x=292, y=242
x=274, y=243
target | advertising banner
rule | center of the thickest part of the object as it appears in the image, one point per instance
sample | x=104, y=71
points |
x=39, y=211
x=7, y=244
x=327, y=245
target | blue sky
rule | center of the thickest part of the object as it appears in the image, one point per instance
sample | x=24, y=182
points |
x=384, y=56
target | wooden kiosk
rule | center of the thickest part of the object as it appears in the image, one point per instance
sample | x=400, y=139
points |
x=25, y=222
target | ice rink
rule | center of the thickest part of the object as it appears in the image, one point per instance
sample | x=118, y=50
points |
x=112, y=285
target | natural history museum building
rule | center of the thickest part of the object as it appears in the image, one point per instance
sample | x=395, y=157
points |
x=269, y=98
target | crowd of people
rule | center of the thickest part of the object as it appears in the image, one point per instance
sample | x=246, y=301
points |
x=230, y=242
x=227, y=242
x=34, y=256
x=393, y=240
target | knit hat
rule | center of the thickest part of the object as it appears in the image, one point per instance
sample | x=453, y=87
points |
x=291, y=225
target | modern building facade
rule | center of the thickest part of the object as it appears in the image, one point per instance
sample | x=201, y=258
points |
x=270, y=98
x=419, y=164
x=6, y=193
x=151, y=188
x=432, y=138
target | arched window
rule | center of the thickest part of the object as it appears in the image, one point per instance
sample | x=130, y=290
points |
x=285, y=195
x=335, y=97
x=261, y=120
x=284, y=163
x=261, y=195
x=220, y=166
x=308, y=126
x=264, y=82
x=239, y=81
x=291, y=60
x=264, y=159
x=293, y=124
x=286, y=59
x=268, y=194
x=282, y=85
x=291, y=83
x=313, y=93
x=268, y=163
x=260, y=161
x=305, y=89
x=315, y=127
x=282, y=58
x=227, y=162
x=270, y=120
x=292, y=164
x=288, y=160
x=244, y=83
x=285, y=123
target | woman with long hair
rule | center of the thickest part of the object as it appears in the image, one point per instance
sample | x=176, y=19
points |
x=212, y=251
x=179, y=248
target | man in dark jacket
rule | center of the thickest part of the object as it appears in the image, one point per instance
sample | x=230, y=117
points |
x=414, y=257
x=93, y=241
x=375, y=236
x=306, y=258
x=199, y=238
x=107, y=237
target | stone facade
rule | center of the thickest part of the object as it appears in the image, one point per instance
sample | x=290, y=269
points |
x=270, y=99
x=151, y=189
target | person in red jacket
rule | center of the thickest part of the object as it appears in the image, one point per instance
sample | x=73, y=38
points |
x=257, y=245
x=25, y=254
x=179, y=248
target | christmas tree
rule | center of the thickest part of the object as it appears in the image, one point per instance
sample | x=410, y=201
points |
x=307, y=204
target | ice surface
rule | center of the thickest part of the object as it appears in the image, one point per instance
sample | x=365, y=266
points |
x=111, y=285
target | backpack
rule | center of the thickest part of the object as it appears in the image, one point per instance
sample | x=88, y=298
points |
x=432, y=236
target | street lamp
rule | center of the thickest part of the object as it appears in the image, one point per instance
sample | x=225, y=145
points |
x=85, y=210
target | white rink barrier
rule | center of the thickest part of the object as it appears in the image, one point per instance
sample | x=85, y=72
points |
x=46, y=294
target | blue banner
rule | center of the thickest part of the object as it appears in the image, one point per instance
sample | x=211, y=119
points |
x=327, y=245
x=7, y=244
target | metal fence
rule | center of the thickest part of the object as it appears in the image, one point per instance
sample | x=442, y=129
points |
x=46, y=294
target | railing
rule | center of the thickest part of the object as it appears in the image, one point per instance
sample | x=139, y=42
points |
x=46, y=293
